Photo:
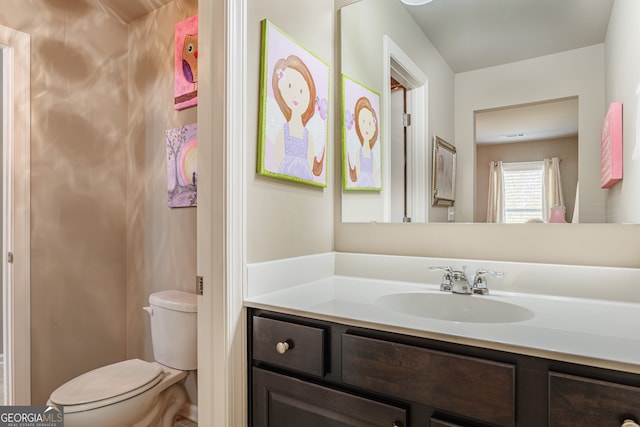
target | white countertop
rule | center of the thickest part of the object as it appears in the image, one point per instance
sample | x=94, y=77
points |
x=593, y=332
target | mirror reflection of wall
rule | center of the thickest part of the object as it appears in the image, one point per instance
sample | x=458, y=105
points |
x=520, y=135
x=380, y=40
x=595, y=70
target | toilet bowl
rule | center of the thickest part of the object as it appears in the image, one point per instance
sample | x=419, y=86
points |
x=136, y=392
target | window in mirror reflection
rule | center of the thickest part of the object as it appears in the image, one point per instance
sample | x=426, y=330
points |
x=523, y=192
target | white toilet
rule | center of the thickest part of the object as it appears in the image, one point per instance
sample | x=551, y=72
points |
x=135, y=392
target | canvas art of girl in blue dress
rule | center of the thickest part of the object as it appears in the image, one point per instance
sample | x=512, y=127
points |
x=363, y=171
x=295, y=93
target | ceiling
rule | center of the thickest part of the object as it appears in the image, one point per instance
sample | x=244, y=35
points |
x=540, y=121
x=473, y=34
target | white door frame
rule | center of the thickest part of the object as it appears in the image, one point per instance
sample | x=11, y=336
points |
x=221, y=223
x=403, y=69
x=16, y=101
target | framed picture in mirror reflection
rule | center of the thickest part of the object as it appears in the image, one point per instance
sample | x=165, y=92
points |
x=444, y=173
x=361, y=152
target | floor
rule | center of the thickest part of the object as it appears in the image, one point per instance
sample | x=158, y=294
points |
x=185, y=423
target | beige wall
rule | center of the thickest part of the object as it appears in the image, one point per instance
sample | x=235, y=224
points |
x=285, y=219
x=102, y=236
x=623, y=85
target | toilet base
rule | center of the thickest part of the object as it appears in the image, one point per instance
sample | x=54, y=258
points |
x=166, y=410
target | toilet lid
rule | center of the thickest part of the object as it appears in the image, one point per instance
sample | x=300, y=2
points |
x=108, y=382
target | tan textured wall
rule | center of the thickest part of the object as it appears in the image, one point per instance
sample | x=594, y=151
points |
x=102, y=236
x=78, y=188
x=161, y=242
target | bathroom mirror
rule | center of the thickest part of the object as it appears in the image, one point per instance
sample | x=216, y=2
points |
x=452, y=83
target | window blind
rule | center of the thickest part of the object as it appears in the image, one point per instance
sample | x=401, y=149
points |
x=523, y=191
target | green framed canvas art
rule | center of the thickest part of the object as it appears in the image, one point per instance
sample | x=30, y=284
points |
x=361, y=151
x=294, y=105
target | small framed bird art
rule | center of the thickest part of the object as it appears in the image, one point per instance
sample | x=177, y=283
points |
x=186, y=63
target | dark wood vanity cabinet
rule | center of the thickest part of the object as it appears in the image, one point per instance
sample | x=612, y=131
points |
x=282, y=400
x=476, y=388
x=306, y=372
x=575, y=400
x=287, y=400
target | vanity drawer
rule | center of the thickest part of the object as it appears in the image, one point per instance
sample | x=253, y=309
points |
x=289, y=345
x=478, y=389
x=583, y=401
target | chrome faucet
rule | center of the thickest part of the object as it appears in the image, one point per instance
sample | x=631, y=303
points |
x=456, y=281
x=446, y=284
x=480, y=282
x=460, y=282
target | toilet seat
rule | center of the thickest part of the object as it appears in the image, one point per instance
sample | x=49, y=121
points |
x=107, y=385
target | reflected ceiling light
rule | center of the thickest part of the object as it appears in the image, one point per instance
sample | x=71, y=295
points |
x=416, y=2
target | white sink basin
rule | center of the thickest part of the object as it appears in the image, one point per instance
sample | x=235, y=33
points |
x=455, y=308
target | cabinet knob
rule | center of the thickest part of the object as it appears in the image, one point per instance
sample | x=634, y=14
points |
x=629, y=423
x=283, y=346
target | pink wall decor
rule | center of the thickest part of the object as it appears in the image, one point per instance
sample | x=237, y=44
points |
x=611, y=147
x=186, y=63
x=182, y=162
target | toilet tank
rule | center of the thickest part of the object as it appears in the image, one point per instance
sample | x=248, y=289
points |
x=174, y=329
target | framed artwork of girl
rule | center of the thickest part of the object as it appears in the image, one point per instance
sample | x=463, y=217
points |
x=360, y=137
x=294, y=110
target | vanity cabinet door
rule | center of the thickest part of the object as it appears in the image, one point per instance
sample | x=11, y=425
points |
x=476, y=389
x=283, y=401
x=583, y=401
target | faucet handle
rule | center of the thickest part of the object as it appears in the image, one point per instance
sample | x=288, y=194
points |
x=447, y=284
x=446, y=269
x=480, y=282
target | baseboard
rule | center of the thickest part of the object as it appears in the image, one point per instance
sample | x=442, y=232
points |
x=190, y=412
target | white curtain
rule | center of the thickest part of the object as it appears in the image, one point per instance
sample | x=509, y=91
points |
x=495, y=202
x=553, y=195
